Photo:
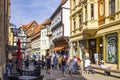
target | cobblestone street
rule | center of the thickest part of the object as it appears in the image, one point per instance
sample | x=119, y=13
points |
x=57, y=75
x=99, y=76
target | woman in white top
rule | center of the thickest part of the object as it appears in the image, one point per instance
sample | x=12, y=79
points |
x=87, y=65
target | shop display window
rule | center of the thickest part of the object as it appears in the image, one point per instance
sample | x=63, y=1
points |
x=111, y=48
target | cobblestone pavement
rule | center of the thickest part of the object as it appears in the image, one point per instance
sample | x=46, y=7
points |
x=98, y=76
x=57, y=75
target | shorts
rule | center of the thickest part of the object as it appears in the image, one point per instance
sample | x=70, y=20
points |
x=63, y=68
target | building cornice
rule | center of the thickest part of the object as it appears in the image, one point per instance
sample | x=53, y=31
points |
x=76, y=35
x=109, y=24
x=75, y=11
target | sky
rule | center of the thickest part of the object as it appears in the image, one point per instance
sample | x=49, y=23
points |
x=25, y=11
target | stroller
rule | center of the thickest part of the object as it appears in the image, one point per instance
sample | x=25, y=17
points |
x=91, y=70
x=78, y=69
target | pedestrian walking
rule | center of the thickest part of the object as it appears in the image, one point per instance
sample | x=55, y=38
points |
x=63, y=64
x=74, y=64
x=48, y=64
x=59, y=62
x=87, y=65
x=55, y=61
x=71, y=66
x=78, y=65
x=27, y=63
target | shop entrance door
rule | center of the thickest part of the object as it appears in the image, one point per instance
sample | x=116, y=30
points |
x=92, y=49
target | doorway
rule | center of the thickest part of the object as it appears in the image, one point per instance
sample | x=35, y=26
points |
x=92, y=49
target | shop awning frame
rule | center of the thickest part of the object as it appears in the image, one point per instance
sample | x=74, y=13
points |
x=58, y=48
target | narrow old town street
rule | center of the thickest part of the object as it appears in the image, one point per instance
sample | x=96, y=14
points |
x=59, y=39
x=57, y=75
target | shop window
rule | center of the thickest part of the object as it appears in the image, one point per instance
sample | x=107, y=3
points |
x=111, y=46
x=111, y=7
x=82, y=44
x=92, y=44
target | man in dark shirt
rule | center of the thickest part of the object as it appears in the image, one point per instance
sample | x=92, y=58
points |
x=48, y=64
x=63, y=64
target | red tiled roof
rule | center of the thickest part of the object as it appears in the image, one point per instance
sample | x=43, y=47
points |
x=36, y=31
x=47, y=21
x=37, y=28
x=28, y=25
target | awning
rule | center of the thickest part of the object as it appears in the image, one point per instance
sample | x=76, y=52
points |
x=58, y=48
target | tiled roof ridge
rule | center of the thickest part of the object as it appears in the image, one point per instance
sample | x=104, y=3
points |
x=46, y=22
x=28, y=25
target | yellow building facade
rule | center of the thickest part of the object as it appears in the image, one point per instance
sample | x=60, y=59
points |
x=10, y=36
x=95, y=28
